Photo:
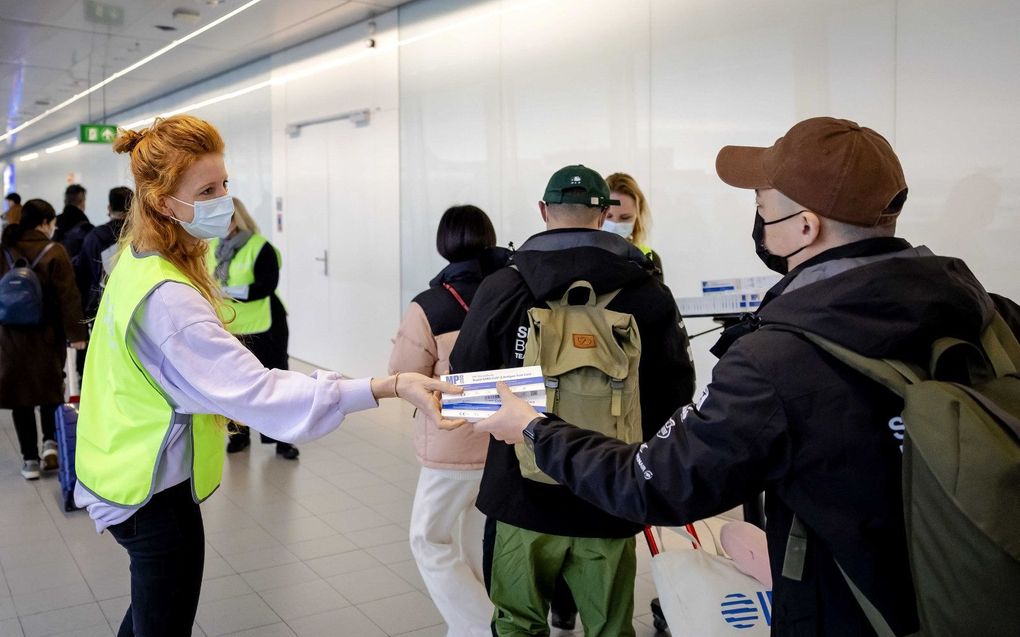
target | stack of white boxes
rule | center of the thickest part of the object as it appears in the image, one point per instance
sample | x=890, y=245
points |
x=480, y=398
x=727, y=296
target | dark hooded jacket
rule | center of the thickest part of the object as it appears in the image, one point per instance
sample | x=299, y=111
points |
x=493, y=337
x=88, y=266
x=782, y=416
x=72, y=228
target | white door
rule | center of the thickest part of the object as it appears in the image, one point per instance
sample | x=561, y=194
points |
x=364, y=280
x=341, y=220
x=306, y=229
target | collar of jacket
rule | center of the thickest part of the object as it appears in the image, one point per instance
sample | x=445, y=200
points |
x=878, y=247
x=458, y=271
x=815, y=269
x=70, y=217
x=566, y=238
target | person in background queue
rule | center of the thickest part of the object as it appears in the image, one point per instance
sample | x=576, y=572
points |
x=247, y=268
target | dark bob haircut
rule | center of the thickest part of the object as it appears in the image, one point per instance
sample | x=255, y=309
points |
x=464, y=233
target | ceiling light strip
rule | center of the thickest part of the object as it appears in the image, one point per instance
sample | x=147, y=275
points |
x=28, y=157
x=71, y=143
x=325, y=66
x=125, y=71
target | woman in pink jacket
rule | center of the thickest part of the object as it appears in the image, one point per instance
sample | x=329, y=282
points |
x=446, y=528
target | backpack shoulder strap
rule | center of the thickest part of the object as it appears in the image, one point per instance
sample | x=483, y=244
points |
x=9, y=259
x=41, y=254
x=1001, y=346
x=793, y=568
x=878, y=623
x=893, y=374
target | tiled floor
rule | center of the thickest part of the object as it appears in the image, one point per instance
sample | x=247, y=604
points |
x=315, y=547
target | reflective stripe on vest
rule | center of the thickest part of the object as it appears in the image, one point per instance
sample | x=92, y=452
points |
x=244, y=317
x=125, y=419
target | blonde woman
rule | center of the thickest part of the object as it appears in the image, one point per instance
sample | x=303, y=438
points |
x=163, y=373
x=632, y=218
x=247, y=268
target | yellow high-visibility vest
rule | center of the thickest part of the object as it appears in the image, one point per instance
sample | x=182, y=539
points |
x=125, y=418
x=244, y=317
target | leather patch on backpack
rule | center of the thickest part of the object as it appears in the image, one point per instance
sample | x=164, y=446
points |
x=584, y=341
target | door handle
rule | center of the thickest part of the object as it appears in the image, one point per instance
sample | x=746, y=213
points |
x=325, y=262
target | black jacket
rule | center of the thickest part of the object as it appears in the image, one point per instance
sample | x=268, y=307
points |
x=88, y=265
x=444, y=312
x=72, y=228
x=493, y=337
x=784, y=417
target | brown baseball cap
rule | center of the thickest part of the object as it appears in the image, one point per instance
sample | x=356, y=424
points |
x=833, y=167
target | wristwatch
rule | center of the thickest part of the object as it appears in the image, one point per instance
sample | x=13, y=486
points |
x=529, y=431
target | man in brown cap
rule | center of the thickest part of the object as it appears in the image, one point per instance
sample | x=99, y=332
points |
x=782, y=416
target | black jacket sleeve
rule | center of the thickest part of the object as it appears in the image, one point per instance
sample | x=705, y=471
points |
x=267, y=274
x=666, y=369
x=88, y=268
x=706, y=459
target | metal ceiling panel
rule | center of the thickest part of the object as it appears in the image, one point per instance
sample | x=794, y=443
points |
x=51, y=49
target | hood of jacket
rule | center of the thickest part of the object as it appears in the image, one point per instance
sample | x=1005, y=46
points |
x=550, y=261
x=473, y=270
x=883, y=298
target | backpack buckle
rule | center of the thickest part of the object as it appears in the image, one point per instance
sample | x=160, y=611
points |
x=616, y=407
x=552, y=386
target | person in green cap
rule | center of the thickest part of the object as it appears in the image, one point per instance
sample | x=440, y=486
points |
x=537, y=532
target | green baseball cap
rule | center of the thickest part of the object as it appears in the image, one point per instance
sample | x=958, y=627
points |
x=596, y=190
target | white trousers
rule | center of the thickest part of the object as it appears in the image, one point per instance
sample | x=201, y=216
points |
x=446, y=540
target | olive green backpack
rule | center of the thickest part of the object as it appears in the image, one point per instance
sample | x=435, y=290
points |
x=589, y=357
x=961, y=482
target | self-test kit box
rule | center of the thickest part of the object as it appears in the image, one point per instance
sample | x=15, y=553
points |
x=480, y=398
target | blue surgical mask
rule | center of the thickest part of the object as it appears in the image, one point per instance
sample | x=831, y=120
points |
x=625, y=230
x=212, y=217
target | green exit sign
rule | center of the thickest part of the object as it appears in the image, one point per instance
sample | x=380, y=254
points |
x=97, y=133
x=108, y=14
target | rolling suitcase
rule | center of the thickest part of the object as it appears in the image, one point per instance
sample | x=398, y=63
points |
x=67, y=425
x=67, y=428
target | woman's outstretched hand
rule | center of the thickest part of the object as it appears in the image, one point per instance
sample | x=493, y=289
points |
x=423, y=392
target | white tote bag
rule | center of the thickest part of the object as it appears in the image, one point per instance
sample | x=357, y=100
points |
x=704, y=595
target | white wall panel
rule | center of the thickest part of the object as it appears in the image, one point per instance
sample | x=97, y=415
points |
x=326, y=78
x=958, y=133
x=743, y=73
x=451, y=130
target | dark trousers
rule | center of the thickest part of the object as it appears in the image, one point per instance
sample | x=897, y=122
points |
x=240, y=431
x=28, y=435
x=166, y=542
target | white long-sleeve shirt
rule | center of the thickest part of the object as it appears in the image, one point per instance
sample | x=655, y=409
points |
x=204, y=369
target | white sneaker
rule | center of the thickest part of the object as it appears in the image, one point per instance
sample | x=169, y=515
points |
x=49, y=455
x=30, y=470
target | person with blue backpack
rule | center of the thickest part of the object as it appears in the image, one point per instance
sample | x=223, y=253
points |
x=40, y=312
x=874, y=397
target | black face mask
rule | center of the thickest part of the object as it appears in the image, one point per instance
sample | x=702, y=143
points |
x=773, y=262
